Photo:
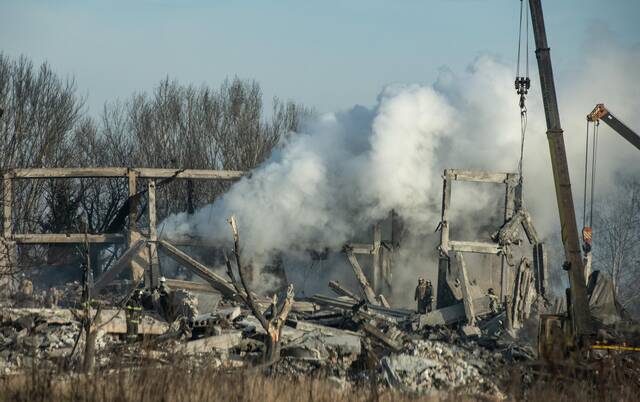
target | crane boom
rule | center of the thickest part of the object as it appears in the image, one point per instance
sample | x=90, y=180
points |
x=581, y=319
x=601, y=113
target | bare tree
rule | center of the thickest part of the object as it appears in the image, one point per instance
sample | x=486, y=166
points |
x=197, y=128
x=277, y=316
x=174, y=126
x=617, y=240
x=40, y=112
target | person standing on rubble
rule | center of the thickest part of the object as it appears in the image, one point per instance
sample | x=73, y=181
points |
x=429, y=297
x=424, y=295
x=133, y=314
x=166, y=303
x=493, y=300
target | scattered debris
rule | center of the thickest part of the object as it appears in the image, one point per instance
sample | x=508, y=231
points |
x=467, y=344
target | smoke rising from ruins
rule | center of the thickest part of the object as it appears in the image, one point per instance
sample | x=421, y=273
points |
x=328, y=184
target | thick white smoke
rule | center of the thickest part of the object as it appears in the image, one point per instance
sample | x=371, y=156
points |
x=349, y=169
x=328, y=184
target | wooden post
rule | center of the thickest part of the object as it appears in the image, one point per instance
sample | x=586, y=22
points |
x=396, y=229
x=443, y=260
x=388, y=252
x=154, y=267
x=464, y=286
x=137, y=272
x=7, y=207
x=376, y=271
x=368, y=293
x=8, y=249
x=509, y=210
x=540, y=266
x=387, y=265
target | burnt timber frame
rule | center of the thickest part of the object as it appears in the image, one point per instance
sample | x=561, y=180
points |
x=12, y=239
x=511, y=182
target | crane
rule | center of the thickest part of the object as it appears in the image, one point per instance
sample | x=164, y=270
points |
x=601, y=113
x=582, y=328
x=577, y=330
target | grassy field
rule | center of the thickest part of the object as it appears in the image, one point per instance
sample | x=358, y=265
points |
x=181, y=382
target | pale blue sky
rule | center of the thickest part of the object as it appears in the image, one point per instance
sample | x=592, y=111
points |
x=327, y=54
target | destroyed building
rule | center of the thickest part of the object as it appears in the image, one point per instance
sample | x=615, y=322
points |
x=482, y=324
x=414, y=352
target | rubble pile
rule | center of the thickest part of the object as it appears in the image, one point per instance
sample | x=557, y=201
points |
x=428, y=365
x=29, y=336
x=349, y=342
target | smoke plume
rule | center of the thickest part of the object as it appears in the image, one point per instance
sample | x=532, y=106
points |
x=326, y=185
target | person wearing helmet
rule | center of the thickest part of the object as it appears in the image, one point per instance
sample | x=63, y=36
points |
x=422, y=296
x=133, y=314
x=165, y=299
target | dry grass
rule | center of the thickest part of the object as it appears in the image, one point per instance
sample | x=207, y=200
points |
x=181, y=382
x=169, y=384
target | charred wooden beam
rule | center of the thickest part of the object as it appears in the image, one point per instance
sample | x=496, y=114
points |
x=476, y=176
x=464, y=286
x=358, y=248
x=443, y=291
x=154, y=261
x=474, y=247
x=383, y=301
x=148, y=173
x=376, y=271
x=216, y=281
x=66, y=238
x=367, y=291
x=7, y=218
x=190, y=174
x=342, y=291
x=51, y=173
x=529, y=228
x=118, y=266
x=191, y=286
x=541, y=267
x=136, y=272
x=346, y=305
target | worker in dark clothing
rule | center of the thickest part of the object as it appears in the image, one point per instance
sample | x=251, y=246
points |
x=424, y=296
x=133, y=313
x=166, y=303
x=429, y=297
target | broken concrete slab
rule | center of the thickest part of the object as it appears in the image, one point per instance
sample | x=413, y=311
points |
x=323, y=329
x=223, y=341
x=317, y=346
x=344, y=344
x=454, y=314
x=470, y=331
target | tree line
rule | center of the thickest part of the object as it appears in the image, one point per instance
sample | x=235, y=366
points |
x=44, y=123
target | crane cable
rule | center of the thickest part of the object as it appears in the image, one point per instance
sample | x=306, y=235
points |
x=594, y=165
x=522, y=83
x=589, y=185
x=586, y=178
